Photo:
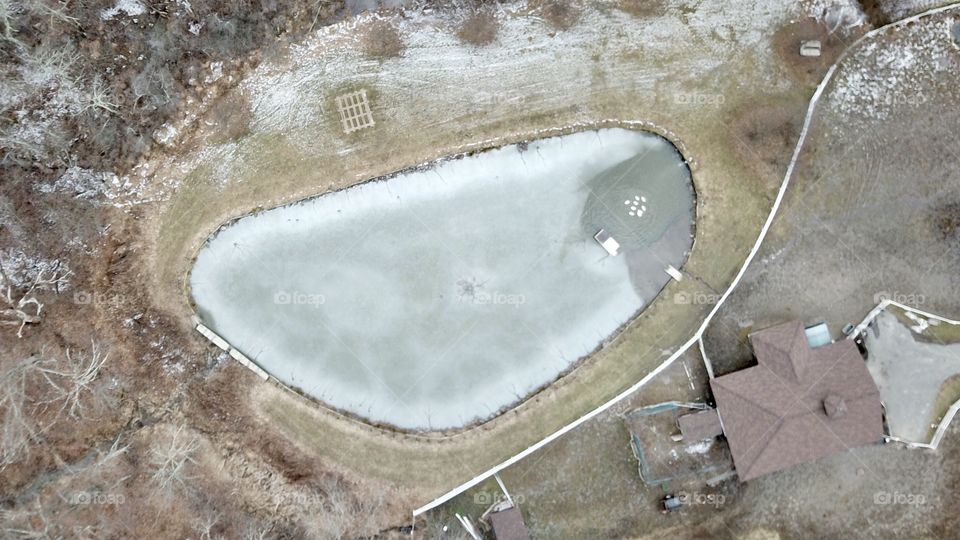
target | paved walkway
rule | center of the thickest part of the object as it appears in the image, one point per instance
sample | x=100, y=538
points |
x=909, y=374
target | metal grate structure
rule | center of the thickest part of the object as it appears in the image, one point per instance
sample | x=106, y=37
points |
x=354, y=111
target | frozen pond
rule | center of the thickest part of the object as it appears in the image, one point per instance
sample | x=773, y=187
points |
x=441, y=296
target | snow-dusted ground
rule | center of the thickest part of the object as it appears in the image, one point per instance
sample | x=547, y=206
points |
x=901, y=9
x=909, y=374
x=429, y=304
x=530, y=67
x=881, y=77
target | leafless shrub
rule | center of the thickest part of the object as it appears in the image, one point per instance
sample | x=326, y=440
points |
x=382, y=40
x=348, y=512
x=479, y=28
x=106, y=459
x=49, y=66
x=53, y=14
x=24, y=389
x=9, y=10
x=27, y=523
x=171, y=460
x=561, y=14
x=98, y=98
x=18, y=430
x=75, y=378
x=205, y=524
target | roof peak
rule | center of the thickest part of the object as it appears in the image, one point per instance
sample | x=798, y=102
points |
x=784, y=350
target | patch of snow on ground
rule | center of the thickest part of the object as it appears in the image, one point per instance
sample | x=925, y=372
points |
x=837, y=14
x=901, y=9
x=701, y=447
x=689, y=48
x=82, y=183
x=129, y=7
x=21, y=269
x=922, y=323
x=889, y=73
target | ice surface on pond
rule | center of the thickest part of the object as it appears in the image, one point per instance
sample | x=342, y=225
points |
x=438, y=297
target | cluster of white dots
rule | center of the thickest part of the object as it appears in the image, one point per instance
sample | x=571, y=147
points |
x=637, y=206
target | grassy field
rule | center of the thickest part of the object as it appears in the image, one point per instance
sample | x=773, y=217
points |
x=867, y=214
x=942, y=333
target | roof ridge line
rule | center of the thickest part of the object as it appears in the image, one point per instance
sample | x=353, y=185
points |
x=747, y=399
x=766, y=446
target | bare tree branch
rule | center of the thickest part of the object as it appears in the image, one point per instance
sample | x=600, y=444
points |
x=23, y=308
x=17, y=431
x=74, y=379
x=171, y=460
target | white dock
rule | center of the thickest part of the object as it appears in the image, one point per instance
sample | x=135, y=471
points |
x=234, y=353
x=607, y=242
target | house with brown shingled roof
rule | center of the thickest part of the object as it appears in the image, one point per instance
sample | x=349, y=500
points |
x=798, y=404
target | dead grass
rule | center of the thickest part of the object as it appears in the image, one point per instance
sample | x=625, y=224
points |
x=381, y=39
x=560, y=14
x=939, y=334
x=479, y=28
x=233, y=119
x=948, y=395
x=947, y=221
x=765, y=135
x=642, y=8
x=807, y=70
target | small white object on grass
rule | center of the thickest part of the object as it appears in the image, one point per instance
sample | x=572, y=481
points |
x=810, y=49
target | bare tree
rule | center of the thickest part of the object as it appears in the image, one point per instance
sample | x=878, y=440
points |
x=172, y=459
x=74, y=379
x=68, y=383
x=17, y=431
x=255, y=532
x=205, y=524
x=97, y=97
x=348, y=511
x=23, y=308
x=9, y=10
x=27, y=523
x=54, y=14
